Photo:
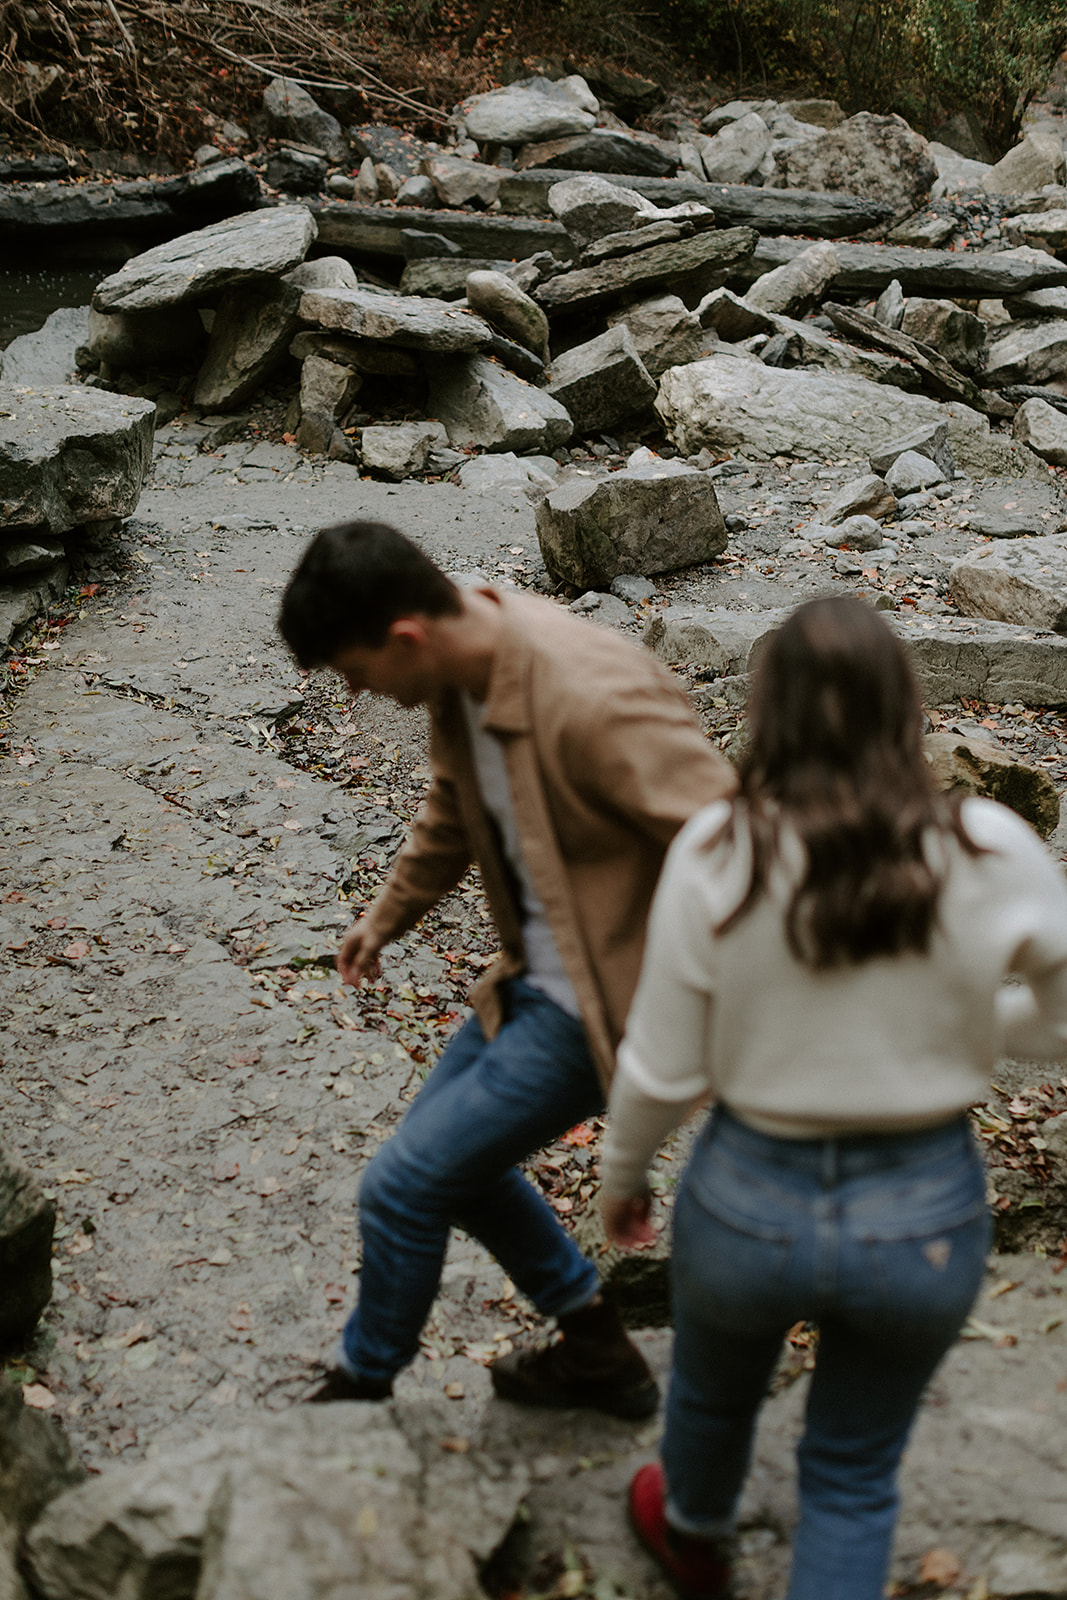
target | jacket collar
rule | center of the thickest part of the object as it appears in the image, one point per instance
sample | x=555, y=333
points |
x=506, y=708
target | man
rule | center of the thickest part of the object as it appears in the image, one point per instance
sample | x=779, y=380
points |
x=564, y=762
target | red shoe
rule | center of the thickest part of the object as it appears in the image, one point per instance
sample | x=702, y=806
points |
x=698, y=1568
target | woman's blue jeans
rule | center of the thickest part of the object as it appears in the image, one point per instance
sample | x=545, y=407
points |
x=486, y=1105
x=881, y=1240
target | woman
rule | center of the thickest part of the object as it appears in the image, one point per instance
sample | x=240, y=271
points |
x=824, y=962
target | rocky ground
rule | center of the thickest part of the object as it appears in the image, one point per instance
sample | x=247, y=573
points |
x=187, y=825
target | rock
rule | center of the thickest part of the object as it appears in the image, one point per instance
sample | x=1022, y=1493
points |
x=396, y=148
x=327, y=389
x=36, y=1464
x=367, y=181
x=406, y=320
x=250, y=337
x=963, y=135
x=725, y=116
x=664, y=333
x=1036, y=303
x=1044, y=429
x=870, y=268
x=42, y=216
x=381, y=230
x=602, y=382
x=923, y=232
x=792, y=289
x=198, y=265
x=606, y=609
x=936, y=375
x=599, y=150
x=71, y=456
x=523, y=113
x=36, y=360
x=376, y=360
x=325, y=272
x=416, y=192
x=858, y=532
x=24, y=558
x=634, y=590
x=485, y=406
x=728, y=642
x=867, y=496
x=295, y=172
x=490, y=474
x=930, y=441
x=136, y=340
x=1023, y=583
x=1036, y=160
x=823, y=113
x=591, y=207
x=653, y=517
x=879, y=157
x=647, y=231
x=1046, y=230
x=737, y=151
x=294, y=114
x=1027, y=353
x=444, y=278
x=400, y=449
x=27, y=1222
x=688, y=262
x=460, y=183
x=802, y=344
x=505, y=307
x=969, y=657
x=730, y=316
x=955, y=171
x=980, y=767
x=912, y=472
x=726, y=401
x=955, y=334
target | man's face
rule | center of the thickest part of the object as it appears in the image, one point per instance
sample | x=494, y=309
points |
x=400, y=669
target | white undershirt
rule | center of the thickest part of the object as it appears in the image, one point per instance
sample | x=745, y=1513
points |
x=544, y=969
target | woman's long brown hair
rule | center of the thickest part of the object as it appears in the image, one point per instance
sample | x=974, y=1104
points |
x=836, y=753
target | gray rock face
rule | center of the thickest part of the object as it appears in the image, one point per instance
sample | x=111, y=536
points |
x=728, y=642
x=1028, y=353
x=1044, y=429
x=36, y=1464
x=27, y=1221
x=47, y=356
x=404, y=320
x=71, y=456
x=912, y=472
x=988, y=770
x=664, y=333
x=957, y=335
x=931, y=441
x=253, y=1512
x=802, y=344
x=737, y=150
x=327, y=389
x=867, y=496
x=692, y=262
x=250, y=336
x=1037, y=303
x=728, y=400
x=1042, y=230
x=140, y=339
x=400, y=449
x=1024, y=582
x=1028, y=166
x=590, y=208
x=294, y=114
x=603, y=381
x=879, y=157
x=507, y=308
x=858, y=532
x=325, y=272
x=599, y=150
x=520, y=114
x=485, y=406
x=653, y=517
x=458, y=182
x=199, y=265
x=991, y=661
x=792, y=289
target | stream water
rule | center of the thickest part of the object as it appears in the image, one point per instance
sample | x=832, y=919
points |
x=29, y=294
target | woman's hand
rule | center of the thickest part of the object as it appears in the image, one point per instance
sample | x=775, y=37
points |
x=626, y=1222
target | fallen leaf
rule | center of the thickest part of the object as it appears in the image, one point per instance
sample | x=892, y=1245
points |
x=57, y=922
x=267, y=1185
x=140, y=1330
x=455, y=1391
x=37, y=1396
x=77, y=950
x=221, y=1258
x=455, y=1447
x=940, y=1566
x=224, y=1171
x=581, y=1136
x=241, y=1318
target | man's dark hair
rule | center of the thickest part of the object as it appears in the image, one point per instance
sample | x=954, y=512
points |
x=353, y=581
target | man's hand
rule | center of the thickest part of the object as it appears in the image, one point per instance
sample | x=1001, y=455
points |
x=358, y=956
x=626, y=1222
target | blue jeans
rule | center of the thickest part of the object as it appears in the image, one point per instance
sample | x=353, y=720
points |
x=881, y=1240
x=486, y=1105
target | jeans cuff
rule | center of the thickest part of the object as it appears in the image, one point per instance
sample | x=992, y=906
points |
x=699, y=1527
x=576, y=1301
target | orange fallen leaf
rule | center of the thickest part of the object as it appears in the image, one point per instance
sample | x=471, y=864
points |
x=77, y=950
x=940, y=1566
x=581, y=1136
x=36, y=1395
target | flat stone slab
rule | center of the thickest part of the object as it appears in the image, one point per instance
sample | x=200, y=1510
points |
x=985, y=660
x=196, y=266
x=937, y=273
x=727, y=641
x=662, y=265
x=1023, y=581
x=377, y=230
x=70, y=456
x=47, y=214
x=405, y=320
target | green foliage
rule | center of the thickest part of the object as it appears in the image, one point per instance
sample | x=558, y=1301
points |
x=923, y=58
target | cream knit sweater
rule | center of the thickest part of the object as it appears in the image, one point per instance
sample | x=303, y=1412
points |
x=898, y=1042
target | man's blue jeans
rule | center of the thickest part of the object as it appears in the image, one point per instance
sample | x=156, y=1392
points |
x=881, y=1240
x=485, y=1106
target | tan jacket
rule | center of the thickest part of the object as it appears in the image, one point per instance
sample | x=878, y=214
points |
x=606, y=763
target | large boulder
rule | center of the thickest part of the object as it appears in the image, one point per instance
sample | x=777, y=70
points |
x=49, y=355
x=459, y=182
x=982, y=768
x=998, y=662
x=1028, y=166
x=506, y=307
x=327, y=389
x=197, y=266
x=1019, y=580
x=36, y=1464
x=250, y=336
x=399, y=450
x=655, y=516
x=525, y=112
x=793, y=288
x=295, y=114
x=878, y=157
x=603, y=381
x=486, y=407
x=71, y=456
x=591, y=208
x=737, y=151
x=27, y=1222
x=1043, y=429
x=729, y=401
x=1027, y=352
x=410, y=321
x=664, y=332
x=956, y=334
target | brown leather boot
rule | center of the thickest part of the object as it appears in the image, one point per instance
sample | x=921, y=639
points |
x=594, y=1363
